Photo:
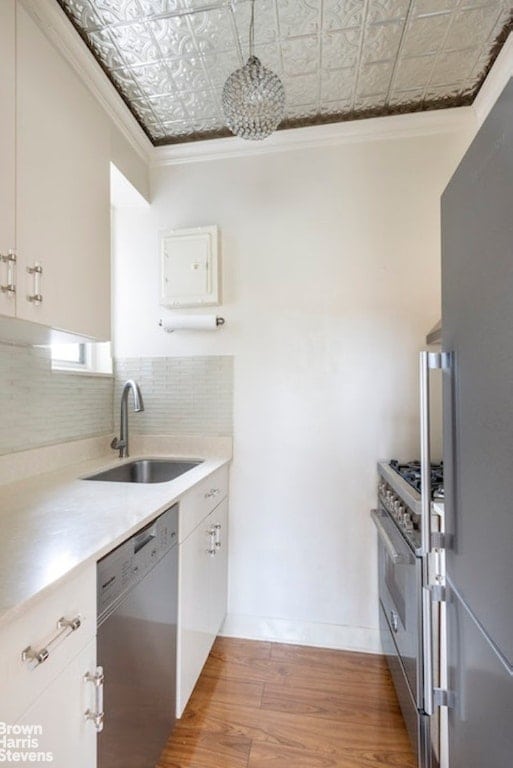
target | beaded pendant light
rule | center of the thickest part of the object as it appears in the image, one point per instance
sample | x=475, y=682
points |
x=253, y=96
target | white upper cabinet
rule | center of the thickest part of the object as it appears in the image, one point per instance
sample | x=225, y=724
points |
x=60, y=194
x=7, y=159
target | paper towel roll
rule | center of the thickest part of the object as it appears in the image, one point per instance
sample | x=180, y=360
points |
x=192, y=323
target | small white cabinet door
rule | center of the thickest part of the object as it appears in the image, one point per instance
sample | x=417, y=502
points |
x=59, y=715
x=7, y=153
x=218, y=576
x=194, y=622
x=62, y=190
x=203, y=584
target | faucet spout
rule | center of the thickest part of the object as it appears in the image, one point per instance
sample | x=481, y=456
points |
x=121, y=444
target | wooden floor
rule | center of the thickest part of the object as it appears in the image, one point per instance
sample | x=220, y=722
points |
x=268, y=705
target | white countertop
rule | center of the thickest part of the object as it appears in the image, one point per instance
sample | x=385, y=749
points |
x=55, y=522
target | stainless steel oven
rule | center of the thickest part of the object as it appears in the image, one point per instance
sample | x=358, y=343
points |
x=400, y=584
x=409, y=613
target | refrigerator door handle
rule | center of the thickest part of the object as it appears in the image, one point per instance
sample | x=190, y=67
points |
x=427, y=362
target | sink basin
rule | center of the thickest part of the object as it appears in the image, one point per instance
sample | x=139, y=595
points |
x=146, y=471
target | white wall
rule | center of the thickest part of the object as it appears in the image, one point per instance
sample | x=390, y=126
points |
x=331, y=280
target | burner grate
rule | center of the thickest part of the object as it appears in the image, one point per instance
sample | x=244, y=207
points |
x=410, y=472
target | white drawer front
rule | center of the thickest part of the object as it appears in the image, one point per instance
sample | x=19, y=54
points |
x=37, y=629
x=201, y=500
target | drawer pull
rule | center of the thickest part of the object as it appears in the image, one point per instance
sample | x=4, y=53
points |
x=96, y=716
x=212, y=492
x=65, y=628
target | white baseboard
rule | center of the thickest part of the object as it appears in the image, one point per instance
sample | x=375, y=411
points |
x=340, y=637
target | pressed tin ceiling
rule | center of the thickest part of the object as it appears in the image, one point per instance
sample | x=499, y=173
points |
x=338, y=59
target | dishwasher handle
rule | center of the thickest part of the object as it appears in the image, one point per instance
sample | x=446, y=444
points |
x=144, y=537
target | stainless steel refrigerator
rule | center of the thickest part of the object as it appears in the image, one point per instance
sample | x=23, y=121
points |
x=477, y=339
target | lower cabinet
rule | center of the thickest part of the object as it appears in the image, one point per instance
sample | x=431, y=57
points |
x=203, y=585
x=59, y=730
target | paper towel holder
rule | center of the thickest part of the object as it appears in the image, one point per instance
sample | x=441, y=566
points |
x=219, y=321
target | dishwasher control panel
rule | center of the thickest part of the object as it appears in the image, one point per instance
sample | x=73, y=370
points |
x=134, y=558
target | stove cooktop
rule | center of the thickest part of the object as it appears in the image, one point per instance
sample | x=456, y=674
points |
x=410, y=472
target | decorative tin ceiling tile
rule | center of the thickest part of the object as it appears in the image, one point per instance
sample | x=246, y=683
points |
x=212, y=31
x=220, y=64
x=453, y=67
x=363, y=103
x=338, y=84
x=299, y=17
x=374, y=78
x=301, y=55
x=341, y=14
x=301, y=90
x=188, y=74
x=413, y=96
x=336, y=107
x=341, y=48
x=425, y=35
x=174, y=37
x=169, y=59
x=414, y=72
x=381, y=41
x=470, y=29
x=386, y=10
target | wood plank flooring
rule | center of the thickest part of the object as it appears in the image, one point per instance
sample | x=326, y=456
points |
x=268, y=705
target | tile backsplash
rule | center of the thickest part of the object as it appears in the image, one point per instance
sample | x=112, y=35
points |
x=42, y=407
x=182, y=395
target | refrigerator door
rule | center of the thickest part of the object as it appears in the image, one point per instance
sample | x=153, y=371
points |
x=481, y=715
x=477, y=322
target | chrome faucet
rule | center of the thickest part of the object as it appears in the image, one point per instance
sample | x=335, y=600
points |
x=121, y=444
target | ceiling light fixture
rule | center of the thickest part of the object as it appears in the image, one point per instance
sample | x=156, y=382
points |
x=253, y=96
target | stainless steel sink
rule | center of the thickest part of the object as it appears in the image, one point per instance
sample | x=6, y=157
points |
x=146, y=471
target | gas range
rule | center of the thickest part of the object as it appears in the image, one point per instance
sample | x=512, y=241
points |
x=399, y=491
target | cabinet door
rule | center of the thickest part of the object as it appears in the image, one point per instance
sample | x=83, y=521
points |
x=203, y=586
x=194, y=623
x=218, y=576
x=58, y=720
x=62, y=191
x=7, y=154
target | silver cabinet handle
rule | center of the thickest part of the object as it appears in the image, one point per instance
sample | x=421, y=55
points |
x=212, y=492
x=394, y=621
x=97, y=715
x=212, y=549
x=10, y=259
x=65, y=628
x=384, y=536
x=217, y=535
x=37, y=296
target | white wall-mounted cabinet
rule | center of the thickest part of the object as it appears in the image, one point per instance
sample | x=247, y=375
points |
x=7, y=156
x=54, y=186
x=189, y=268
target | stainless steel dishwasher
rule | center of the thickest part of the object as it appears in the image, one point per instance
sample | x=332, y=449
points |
x=137, y=613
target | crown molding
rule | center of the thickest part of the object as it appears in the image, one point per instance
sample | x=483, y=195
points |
x=494, y=84
x=55, y=24
x=350, y=132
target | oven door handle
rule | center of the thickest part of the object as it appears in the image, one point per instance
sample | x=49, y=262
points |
x=386, y=539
